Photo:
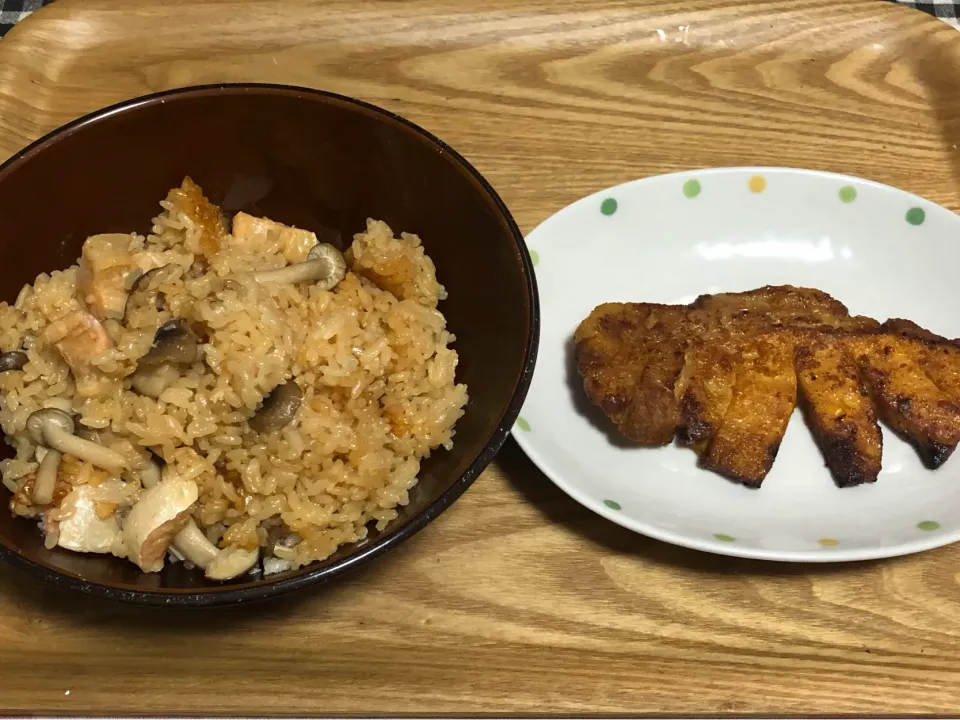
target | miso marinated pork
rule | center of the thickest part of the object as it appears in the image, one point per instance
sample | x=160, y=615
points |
x=723, y=375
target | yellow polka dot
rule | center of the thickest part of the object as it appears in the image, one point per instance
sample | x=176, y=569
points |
x=757, y=184
x=828, y=542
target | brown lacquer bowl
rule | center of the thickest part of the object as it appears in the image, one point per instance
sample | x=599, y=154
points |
x=307, y=158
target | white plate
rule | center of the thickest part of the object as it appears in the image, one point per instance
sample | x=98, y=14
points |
x=881, y=251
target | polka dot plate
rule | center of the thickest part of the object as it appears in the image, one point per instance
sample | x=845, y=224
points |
x=881, y=251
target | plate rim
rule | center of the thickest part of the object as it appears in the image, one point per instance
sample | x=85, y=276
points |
x=820, y=556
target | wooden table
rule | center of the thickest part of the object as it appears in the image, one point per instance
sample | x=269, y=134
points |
x=517, y=600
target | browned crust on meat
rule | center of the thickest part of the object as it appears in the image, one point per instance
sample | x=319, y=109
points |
x=704, y=389
x=838, y=410
x=629, y=355
x=906, y=398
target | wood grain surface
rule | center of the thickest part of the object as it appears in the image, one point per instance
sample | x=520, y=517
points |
x=517, y=600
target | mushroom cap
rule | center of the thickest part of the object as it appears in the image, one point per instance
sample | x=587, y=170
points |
x=174, y=343
x=14, y=360
x=145, y=298
x=278, y=409
x=336, y=264
x=152, y=380
x=231, y=562
x=45, y=418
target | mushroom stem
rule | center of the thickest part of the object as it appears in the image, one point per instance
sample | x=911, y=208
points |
x=53, y=428
x=93, y=453
x=150, y=474
x=296, y=273
x=195, y=546
x=324, y=265
x=46, y=480
x=217, y=564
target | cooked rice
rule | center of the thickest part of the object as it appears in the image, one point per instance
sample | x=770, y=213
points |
x=372, y=358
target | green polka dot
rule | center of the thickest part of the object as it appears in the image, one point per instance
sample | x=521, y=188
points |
x=608, y=206
x=691, y=188
x=848, y=193
x=916, y=216
x=725, y=538
x=523, y=424
x=534, y=257
x=612, y=504
x=929, y=525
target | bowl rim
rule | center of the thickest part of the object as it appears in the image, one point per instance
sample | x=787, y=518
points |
x=263, y=589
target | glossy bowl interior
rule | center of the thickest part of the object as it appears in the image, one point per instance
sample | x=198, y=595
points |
x=306, y=158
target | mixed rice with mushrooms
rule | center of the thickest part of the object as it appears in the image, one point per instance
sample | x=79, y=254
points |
x=241, y=398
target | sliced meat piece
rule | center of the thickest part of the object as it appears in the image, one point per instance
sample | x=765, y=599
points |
x=941, y=362
x=777, y=304
x=838, y=410
x=907, y=399
x=705, y=388
x=910, y=329
x=653, y=415
x=764, y=396
x=615, y=345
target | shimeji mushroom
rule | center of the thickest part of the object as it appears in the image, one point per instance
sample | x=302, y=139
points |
x=278, y=409
x=175, y=345
x=324, y=266
x=217, y=564
x=14, y=360
x=53, y=429
x=161, y=518
x=155, y=519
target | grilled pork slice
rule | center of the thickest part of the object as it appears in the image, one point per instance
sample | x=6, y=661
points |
x=910, y=329
x=777, y=305
x=838, y=410
x=941, y=359
x=897, y=371
x=764, y=396
x=627, y=355
x=704, y=389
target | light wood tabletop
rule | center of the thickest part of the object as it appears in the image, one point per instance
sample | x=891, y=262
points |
x=517, y=600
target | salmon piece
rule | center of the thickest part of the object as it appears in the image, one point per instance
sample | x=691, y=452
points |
x=79, y=337
x=764, y=396
x=838, y=410
x=294, y=244
x=907, y=399
x=106, y=263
